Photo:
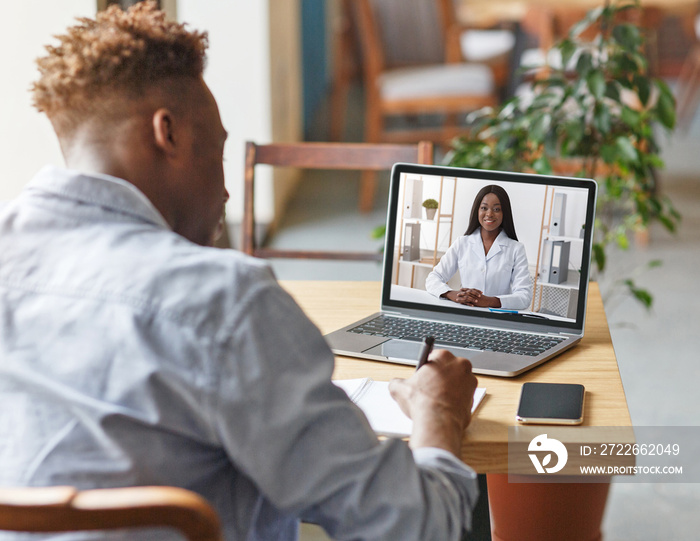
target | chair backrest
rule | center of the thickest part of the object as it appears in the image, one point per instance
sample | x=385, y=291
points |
x=451, y=30
x=432, y=28
x=373, y=61
x=344, y=156
x=66, y=509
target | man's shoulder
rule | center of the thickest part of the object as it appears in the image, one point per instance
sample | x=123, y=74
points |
x=183, y=281
x=208, y=272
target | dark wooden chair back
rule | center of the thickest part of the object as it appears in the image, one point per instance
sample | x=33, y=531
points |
x=368, y=158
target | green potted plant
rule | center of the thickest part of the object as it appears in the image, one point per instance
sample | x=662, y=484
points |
x=430, y=206
x=595, y=116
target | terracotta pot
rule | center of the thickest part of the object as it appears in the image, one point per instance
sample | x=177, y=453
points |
x=546, y=511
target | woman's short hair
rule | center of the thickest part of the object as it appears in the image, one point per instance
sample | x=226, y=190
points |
x=118, y=52
x=508, y=226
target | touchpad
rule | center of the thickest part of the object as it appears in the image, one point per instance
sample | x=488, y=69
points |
x=404, y=351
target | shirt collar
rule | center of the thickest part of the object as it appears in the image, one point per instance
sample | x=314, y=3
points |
x=475, y=237
x=478, y=245
x=97, y=189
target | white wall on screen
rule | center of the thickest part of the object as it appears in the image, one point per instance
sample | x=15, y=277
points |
x=527, y=201
x=530, y=204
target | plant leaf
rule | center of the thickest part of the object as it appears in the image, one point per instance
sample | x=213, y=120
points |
x=601, y=117
x=599, y=256
x=666, y=108
x=667, y=222
x=622, y=240
x=642, y=295
x=567, y=48
x=378, y=232
x=643, y=89
x=628, y=36
x=584, y=64
x=612, y=90
x=540, y=127
x=596, y=83
x=626, y=148
x=608, y=153
x=542, y=166
x=630, y=117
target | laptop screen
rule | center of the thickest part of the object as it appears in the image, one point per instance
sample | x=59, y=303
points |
x=503, y=246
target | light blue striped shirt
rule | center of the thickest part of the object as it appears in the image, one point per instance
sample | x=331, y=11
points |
x=130, y=356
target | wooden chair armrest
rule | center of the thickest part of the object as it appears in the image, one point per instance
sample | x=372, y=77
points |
x=63, y=509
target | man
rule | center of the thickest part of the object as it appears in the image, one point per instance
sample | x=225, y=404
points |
x=131, y=353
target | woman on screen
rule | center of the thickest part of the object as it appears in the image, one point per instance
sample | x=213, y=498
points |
x=492, y=263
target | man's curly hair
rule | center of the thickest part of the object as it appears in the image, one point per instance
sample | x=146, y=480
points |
x=119, y=51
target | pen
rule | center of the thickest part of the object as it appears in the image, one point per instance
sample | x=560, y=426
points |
x=425, y=352
x=503, y=310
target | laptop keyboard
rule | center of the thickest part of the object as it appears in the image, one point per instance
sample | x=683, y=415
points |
x=461, y=336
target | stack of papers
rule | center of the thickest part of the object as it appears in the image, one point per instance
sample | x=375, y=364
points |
x=382, y=411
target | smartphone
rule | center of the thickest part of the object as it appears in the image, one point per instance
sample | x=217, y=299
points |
x=551, y=403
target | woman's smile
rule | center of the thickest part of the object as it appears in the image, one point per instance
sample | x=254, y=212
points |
x=490, y=212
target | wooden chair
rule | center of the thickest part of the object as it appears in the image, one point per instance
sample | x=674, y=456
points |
x=66, y=509
x=492, y=46
x=346, y=67
x=367, y=158
x=444, y=88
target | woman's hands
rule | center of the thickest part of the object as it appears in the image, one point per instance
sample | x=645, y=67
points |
x=472, y=297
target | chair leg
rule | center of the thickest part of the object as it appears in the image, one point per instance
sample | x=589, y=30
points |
x=344, y=71
x=338, y=103
x=368, y=187
x=374, y=125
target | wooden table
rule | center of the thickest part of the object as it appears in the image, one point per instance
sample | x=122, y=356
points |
x=332, y=305
x=592, y=362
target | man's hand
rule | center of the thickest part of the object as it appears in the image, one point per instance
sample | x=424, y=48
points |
x=438, y=398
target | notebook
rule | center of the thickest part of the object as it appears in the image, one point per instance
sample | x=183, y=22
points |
x=382, y=411
x=540, y=279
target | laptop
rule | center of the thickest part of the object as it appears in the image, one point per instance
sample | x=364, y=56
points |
x=540, y=279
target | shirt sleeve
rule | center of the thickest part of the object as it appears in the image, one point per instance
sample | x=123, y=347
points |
x=436, y=281
x=311, y=452
x=520, y=296
x=440, y=466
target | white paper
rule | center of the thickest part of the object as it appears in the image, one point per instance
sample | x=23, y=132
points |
x=382, y=411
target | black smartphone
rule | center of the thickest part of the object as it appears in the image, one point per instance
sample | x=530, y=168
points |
x=551, y=403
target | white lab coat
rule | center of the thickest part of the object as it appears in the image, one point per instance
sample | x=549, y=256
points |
x=503, y=273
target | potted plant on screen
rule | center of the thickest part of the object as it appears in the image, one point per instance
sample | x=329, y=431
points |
x=596, y=115
x=430, y=206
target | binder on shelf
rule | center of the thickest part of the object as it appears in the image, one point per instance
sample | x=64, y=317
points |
x=557, y=261
x=557, y=228
x=413, y=199
x=411, y=247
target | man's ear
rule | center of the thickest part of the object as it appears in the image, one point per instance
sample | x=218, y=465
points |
x=163, y=130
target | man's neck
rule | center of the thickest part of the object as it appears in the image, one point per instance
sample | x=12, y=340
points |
x=122, y=163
